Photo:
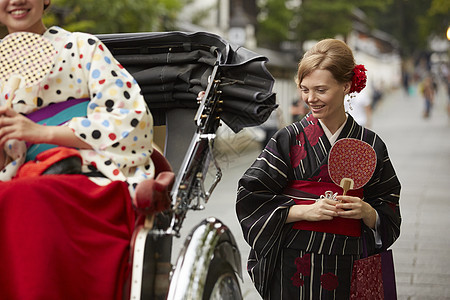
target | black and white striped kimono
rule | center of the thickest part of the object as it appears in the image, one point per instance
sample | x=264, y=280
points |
x=288, y=263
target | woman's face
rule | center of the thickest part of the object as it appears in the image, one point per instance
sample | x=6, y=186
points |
x=23, y=15
x=325, y=97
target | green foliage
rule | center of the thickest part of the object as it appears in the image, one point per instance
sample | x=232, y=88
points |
x=274, y=19
x=324, y=19
x=410, y=22
x=200, y=14
x=438, y=17
x=308, y=19
x=113, y=16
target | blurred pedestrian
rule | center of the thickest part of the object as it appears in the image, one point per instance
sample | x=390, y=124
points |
x=299, y=109
x=359, y=107
x=270, y=126
x=428, y=91
x=303, y=248
x=377, y=94
x=446, y=79
x=405, y=81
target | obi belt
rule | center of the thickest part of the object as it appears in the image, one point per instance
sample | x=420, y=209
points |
x=55, y=115
x=307, y=192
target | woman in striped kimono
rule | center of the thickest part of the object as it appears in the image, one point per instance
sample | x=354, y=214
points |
x=301, y=251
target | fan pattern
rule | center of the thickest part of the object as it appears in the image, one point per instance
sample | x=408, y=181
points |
x=26, y=54
x=352, y=158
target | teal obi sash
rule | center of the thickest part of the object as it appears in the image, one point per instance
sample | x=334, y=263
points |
x=55, y=115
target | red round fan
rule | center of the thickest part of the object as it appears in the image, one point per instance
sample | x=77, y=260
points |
x=26, y=58
x=351, y=163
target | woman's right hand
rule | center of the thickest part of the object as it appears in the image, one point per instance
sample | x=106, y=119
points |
x=324, y=209
x=16, y=126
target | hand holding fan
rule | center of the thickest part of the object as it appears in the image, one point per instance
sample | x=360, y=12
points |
x=351, y=163
x=25, y=58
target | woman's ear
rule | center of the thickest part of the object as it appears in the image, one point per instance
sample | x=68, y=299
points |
x=347, y=87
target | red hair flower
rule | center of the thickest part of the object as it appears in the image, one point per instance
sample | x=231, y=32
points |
x=359, y=79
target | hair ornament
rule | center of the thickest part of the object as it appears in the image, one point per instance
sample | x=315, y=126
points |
x=359, y=79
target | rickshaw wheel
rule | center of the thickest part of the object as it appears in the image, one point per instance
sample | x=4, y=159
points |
x=221, y=282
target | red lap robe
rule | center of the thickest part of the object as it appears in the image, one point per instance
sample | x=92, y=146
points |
x=64, y=237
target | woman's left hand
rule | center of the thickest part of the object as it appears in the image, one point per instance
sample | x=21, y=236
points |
x=355, y=208
x=16, y=126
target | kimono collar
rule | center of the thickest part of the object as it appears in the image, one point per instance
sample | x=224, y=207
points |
x=56, y=34
x=333, y=137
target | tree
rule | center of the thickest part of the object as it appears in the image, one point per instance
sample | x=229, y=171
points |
x=299, y=21
x=324, y=19
x=412, y=23
x=436, y=21
x=114, y=16
x=275, y=22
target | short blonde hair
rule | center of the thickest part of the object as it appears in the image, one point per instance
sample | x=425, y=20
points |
x=328, y=54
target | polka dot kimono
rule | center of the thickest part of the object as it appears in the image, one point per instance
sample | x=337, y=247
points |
x=118, y=126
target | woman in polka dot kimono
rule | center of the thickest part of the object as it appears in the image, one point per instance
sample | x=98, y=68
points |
x=67, y=236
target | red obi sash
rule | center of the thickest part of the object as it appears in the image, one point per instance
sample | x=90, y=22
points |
x=304, y=192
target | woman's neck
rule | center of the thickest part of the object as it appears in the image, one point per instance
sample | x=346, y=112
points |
x=332, y=136
x=38, y=28
x=334, y=124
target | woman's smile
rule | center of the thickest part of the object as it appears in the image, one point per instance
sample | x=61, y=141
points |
x=19, y=13
x=23, y=15
x=316, y=108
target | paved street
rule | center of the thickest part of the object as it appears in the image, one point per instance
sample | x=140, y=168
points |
x=420, y=151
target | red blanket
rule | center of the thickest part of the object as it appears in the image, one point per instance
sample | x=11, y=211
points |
x=64, y=237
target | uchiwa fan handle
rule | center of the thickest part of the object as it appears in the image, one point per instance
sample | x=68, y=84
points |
x=347, y=184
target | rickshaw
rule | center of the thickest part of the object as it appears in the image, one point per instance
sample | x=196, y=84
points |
x=172, y=68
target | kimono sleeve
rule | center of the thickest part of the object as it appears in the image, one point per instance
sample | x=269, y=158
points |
x=261, y=207
x=119, y=124
x=383, y=193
